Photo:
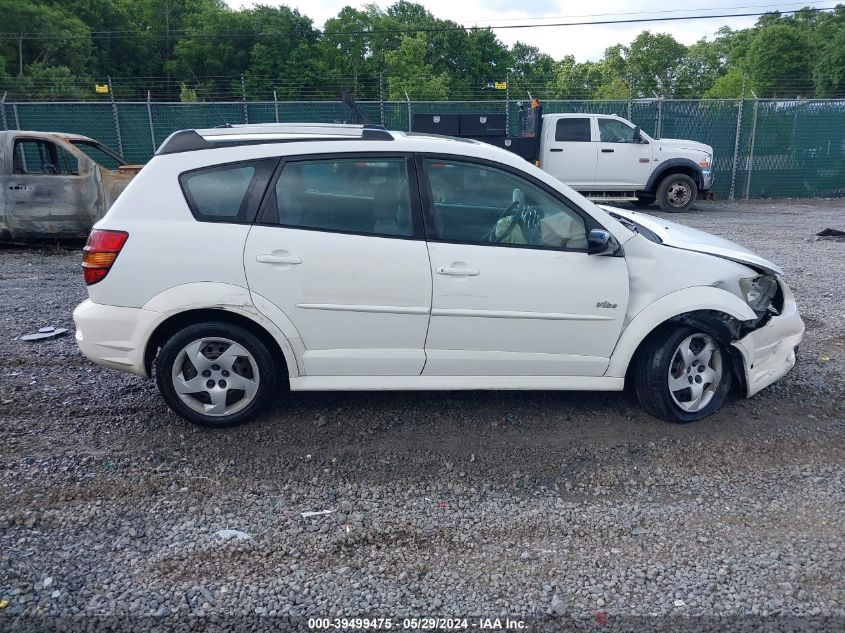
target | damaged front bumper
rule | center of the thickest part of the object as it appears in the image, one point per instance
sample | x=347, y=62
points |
x=769, y=352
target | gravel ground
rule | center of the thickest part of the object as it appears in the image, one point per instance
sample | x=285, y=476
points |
x=560, y=510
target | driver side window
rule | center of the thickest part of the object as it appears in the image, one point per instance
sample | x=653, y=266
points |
x=477, y=204
x=613, y=131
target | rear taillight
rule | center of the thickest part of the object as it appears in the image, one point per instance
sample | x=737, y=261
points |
x=100, y=252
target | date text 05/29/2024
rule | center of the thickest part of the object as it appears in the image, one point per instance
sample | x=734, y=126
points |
x=417, y=624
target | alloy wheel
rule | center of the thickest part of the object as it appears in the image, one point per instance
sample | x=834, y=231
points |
x=695, y=372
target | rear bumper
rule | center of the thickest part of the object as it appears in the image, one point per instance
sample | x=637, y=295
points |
x=768, y=353
x=113, y=336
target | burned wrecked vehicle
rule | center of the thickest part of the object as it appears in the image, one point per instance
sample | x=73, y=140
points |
x=56, y=185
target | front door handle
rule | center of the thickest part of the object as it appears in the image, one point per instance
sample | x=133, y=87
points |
x=607, y=151
x=555, y=149
x=463, y=271
x=278, y=259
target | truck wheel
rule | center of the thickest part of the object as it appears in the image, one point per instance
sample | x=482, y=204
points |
x=676, y=193
x=682, y=375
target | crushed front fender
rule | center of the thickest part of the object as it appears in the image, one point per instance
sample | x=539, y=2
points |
x=769, y=352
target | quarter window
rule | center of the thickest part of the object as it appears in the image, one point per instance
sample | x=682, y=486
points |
x=478, y=204
x=614, y=131
x=227, y=193
x=570, y=129
x=354, y=195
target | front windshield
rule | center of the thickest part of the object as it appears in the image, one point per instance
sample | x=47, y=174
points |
x=100, y=154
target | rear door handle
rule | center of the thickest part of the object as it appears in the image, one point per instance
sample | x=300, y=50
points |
x=553, y=149
x=457, y=272
x=607, y=151
x=278, y=259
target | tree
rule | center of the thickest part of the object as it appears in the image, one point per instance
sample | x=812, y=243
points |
x=408, y=73
x=728, y=86
x=347, y=45
x=829, y=74
x=653, y=64
x=576, y=81
x=702, y=65
x=285, y=56
x=50, y=83
x=531, y=70
x=778, y=62
x=44, y=36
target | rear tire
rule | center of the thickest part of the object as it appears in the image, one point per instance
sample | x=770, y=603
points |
x=676, y=193
x=682, y=374
x=215, y=374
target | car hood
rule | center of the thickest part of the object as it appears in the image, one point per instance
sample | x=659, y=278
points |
x=678, y=143
x=689, y=239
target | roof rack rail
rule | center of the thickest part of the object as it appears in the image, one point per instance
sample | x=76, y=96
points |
x=228, y=135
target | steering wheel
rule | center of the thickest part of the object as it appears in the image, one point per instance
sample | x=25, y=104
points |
x=491, y=235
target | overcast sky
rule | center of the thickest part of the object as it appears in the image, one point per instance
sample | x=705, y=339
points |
x=584, y=42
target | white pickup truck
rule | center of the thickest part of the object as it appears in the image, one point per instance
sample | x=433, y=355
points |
x=605, y=157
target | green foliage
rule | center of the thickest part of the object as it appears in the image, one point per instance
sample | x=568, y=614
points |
x=408, y=73
x=778, y=62
x=52, y=83
x=653, y=63
x=728, y=86
x=207, y=46
x=829, y=74
x=187, y=95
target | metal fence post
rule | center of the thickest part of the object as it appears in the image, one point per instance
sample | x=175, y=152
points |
x=276, y=105
x=736, y=140
x=741, y=104
x=508, y=104
x=3, y=111
x=243, y=99
x=150, y=120
x=659, y=131
x=115, y=117
x=381, y=96
x=408, y=99
x=750, y=161
x=15, y=112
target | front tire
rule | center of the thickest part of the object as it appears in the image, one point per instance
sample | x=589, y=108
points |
x=676, y=193
x=682, y=375
x=215, y=374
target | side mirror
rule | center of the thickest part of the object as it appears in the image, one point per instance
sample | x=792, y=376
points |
x=638, y=136
x=600, y=242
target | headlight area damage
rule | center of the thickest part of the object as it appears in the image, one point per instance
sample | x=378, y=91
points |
x=763, y=349
x=769, y=345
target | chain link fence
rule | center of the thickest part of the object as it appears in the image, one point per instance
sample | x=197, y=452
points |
x=762, y=148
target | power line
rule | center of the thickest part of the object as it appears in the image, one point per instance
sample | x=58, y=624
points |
x=400, y=31
x=773, y=8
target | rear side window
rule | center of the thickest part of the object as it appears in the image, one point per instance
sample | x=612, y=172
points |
x=573, y=130
x=361, y=195
x=227, y=193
